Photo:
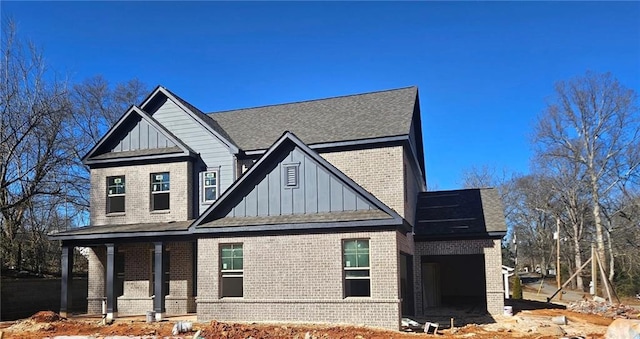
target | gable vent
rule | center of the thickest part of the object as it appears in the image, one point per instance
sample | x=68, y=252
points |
x=291, y=175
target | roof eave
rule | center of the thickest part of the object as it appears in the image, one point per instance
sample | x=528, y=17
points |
x=346, y=143
x=92, y=162
x=319, y=226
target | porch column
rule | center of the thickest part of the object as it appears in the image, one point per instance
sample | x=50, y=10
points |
x=159, y=280
x=112, y=307
x=67, y=279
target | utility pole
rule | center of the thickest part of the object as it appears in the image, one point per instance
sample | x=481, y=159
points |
x=594, y=269
x=558, y=280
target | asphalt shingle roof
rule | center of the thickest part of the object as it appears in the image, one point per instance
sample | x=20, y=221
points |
x=298, y=218
x=459, y=212
x=353, y=117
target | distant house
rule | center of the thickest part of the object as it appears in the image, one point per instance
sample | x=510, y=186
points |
x=313, y=211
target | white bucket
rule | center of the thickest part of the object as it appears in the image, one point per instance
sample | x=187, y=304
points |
x=508, y=311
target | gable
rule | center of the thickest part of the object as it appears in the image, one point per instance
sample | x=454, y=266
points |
x=136, y=136
x=316, y=191
x=321, y=194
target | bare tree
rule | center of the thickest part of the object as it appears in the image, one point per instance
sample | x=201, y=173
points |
x=593, y=121
x=571, y=204
x=34, y=109
x=97, y=105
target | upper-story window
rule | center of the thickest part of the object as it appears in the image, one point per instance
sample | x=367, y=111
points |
x=115, y=194
x=210, y=186
x=160, y=191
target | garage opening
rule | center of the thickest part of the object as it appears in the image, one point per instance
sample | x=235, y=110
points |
x=454, y=281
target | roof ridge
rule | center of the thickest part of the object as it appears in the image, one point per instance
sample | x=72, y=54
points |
x=313, y=100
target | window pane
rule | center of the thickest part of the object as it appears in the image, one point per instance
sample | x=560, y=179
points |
x=227, y=252
x=227, y=264
x=350, y=260
x=160, y=201
x=210, y=193
x=363, y=260
x=363, y=245
x=350, y=246
x=232, y=286
x=357, y=288
x=237, y=263
x=115, y=204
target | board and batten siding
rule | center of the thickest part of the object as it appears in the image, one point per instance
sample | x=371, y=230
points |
x=142, y=136
x=318, y=191
x=213, y=152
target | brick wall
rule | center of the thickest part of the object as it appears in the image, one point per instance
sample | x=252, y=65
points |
x=378, y=170
x=137, y=293
x=138, y=194
x=299, y=278
x=492, y=267
x=97, y=261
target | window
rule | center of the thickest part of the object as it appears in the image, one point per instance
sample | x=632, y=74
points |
x=115, y=194
x=290, y=173
x=160, y=191
x=209, y=186
x=357, y=279
x=231, y=270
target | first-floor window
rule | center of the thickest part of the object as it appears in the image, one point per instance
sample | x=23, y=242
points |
x=357, y=278
x=160, y=186
x=231, y=269
x=115, y=194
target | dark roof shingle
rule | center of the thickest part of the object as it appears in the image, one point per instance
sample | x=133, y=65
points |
x=467, y=212
x=347, y=118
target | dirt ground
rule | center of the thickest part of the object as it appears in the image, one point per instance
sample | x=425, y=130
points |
x=532, y=319
x=534, y=323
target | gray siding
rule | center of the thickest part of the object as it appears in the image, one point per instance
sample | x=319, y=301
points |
x=142, y=136
x=214, y=153
x=317, y=192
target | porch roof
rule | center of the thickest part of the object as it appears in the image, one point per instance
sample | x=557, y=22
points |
x=124, y=230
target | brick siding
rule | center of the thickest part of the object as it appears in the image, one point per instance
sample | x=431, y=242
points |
x=137, y=294
x=97, y=260
x=492, y=267
x=377, y=170
x=138, y=194
x=299, y=278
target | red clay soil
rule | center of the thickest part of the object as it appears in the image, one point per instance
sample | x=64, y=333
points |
x=49, y=324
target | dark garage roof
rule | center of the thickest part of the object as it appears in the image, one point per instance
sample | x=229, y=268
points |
x=354, y=117
x=459, y=214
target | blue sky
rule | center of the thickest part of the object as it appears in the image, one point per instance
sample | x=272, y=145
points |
x=484, y=69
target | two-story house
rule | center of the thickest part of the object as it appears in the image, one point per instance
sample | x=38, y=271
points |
x=313, y=211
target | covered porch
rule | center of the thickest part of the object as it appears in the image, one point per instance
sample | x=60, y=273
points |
x=132, y=273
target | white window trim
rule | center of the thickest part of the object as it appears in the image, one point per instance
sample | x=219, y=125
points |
x=203, y=198
x=231, y=273
x=345, y=269
x=110, y=195
x=153, y=209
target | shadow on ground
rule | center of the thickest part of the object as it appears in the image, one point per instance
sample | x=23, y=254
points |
x=523, y=304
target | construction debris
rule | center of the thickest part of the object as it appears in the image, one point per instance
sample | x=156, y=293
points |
x=182, y=327
x=603, y=308
x=410, y=325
